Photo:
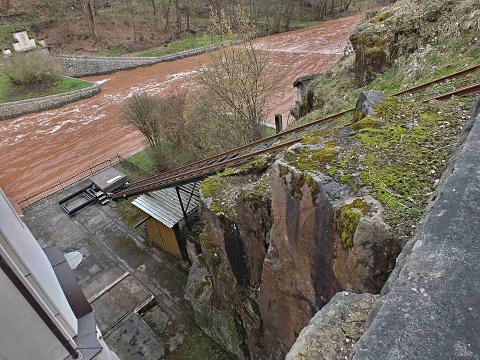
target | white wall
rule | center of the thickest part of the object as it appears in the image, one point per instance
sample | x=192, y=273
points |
x=26, y=258
x=23, y=334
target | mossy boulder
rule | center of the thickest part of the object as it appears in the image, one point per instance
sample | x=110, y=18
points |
x=381, y=40
x=366, y=103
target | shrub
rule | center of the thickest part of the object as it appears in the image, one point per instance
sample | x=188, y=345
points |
x=31, y=67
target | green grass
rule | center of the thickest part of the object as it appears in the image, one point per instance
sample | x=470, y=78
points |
x=62, y=85
x=115, y=50
x=6, y=31
x=268, y=131
x=186, y=42
x=144, y=161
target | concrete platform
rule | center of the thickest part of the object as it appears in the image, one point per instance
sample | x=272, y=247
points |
x=117, y=272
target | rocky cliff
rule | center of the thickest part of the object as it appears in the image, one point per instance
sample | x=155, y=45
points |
x=283, y=235
x=278, y=245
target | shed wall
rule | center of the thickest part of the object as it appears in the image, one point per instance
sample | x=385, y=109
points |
x=163, y=236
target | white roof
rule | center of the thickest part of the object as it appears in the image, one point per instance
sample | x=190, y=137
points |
x=164, y=204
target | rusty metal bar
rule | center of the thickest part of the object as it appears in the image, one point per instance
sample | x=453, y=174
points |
x=196, y=174
x=459, y=92
x=428, y=83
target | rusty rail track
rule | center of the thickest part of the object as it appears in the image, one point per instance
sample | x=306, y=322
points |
x=436, y=81
x=206, y=167
x=472, y=89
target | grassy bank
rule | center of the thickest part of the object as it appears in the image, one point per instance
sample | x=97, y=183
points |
x=187, y=41
x=10, y=92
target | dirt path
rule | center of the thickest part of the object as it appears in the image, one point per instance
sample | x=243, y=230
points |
x=38, y=150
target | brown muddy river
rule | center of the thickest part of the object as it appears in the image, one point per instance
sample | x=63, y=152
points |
x=38, y=150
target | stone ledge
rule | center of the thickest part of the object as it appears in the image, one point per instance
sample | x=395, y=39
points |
x=18, y=108
x=430, y=309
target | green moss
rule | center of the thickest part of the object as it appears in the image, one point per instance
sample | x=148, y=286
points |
x=312, y=160
x=211, y=186
x=357, y=116
x=212, y=258
x=314, y=188
x=345, y=179
x=383, y=16
x=366, y=123
x=258, y=164
x=313, y=138
x=346, y=219
x=200, y=287
x=332, y=170
x=431, y=117
x=262, y=189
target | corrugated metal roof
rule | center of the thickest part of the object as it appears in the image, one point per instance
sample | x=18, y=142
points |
x=164, y=205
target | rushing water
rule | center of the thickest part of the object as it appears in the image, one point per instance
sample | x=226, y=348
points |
x=38, y=150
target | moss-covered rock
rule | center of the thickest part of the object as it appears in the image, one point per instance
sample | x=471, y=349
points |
x=346, y=219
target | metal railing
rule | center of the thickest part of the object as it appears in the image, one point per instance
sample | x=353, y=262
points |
x=61, y=185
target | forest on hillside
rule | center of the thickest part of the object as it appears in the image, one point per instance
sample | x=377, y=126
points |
x=118, y=27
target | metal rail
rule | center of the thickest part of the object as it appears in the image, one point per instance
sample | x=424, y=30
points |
x=443, y=78
x=206, y=167
x=200, y=169
x=472, y=89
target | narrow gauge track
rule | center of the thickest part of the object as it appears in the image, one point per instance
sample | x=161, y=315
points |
x=199, y=170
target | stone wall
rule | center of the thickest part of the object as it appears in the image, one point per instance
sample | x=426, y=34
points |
x=78, y=66
x=18, y=108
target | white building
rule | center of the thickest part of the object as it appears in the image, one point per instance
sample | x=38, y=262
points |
x=43, y=312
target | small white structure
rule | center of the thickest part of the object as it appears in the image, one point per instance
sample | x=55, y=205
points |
x=23, y=43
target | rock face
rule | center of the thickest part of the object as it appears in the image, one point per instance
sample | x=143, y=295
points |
x=281, y=254
x=388, y=35
x=223, y=287
x=366, y=103
x=332, y=332
x=217, y=320
x=318, y=246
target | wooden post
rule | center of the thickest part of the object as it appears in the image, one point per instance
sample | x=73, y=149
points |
x=278, y=123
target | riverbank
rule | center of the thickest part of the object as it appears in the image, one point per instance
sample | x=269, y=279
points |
x=39, y=150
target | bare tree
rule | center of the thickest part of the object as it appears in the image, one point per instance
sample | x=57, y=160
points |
x=160, y=120
x=236, y=78
x=209, y=130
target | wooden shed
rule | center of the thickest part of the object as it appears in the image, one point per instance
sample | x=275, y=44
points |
x=168, y=211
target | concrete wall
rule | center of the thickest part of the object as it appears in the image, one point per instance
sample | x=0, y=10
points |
x=78, y=66
x=18, y=108
x=27, y=259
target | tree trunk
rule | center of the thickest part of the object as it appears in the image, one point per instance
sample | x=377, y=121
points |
x=187, y=15
x=89, y=13
x=276, y=17
x=178, y=14
x=290, y=5
x=166, y=13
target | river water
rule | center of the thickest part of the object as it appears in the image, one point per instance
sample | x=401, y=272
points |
x=38, y=150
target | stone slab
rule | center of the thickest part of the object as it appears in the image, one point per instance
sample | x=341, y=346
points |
x=432, y=310
x=135, y=340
